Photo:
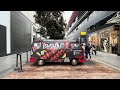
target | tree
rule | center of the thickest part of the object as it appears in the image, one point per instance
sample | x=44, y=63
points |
x=42, y=31
x=53, y=22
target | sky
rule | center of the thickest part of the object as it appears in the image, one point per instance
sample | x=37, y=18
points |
x=30, y=14
x=67, y=15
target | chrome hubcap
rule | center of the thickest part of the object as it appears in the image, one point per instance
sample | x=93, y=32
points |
x=74, y=62
x=40, y=62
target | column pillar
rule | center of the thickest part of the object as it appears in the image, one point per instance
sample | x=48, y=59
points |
x=110, y=43
x=118, y=41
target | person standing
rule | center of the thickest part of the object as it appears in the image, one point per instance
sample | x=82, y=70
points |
x=87, y=51
x=83, y=46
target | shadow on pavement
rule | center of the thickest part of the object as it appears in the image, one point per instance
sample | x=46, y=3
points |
x=90, y=63
x=57, y=64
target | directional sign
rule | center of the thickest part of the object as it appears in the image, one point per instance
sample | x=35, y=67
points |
x=82, y=33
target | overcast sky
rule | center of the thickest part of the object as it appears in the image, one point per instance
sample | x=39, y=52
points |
x=30, y=14
x=67, y=15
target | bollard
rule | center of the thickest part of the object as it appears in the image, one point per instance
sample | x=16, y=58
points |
x=16, y=68
x=27, y=58
x=21, y=70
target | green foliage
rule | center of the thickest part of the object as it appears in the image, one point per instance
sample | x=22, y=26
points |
x=42, y=31
x=53, y=22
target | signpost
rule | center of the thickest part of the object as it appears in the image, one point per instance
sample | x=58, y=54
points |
x=19, y=69
x=83, y=37
x=82, y=33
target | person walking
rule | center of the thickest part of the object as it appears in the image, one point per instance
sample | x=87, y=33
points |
x=83, y=46
x=94, y=49
x=87, y=51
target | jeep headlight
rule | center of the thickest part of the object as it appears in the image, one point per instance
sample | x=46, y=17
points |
x=42, y=52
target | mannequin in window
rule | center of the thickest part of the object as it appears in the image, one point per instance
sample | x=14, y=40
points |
x=104, y=45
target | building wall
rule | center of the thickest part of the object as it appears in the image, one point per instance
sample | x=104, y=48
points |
x=91, y=21
x=5, y=21
x=20, y=32
x=2, y=40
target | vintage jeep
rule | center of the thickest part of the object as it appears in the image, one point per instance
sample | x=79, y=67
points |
x=43, y=51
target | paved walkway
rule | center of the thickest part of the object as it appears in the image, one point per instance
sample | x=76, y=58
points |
x=8, y=63
x=108, y=58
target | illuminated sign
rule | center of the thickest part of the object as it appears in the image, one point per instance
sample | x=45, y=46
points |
x=82, y=33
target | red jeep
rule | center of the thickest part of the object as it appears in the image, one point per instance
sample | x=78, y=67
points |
x=57, y=51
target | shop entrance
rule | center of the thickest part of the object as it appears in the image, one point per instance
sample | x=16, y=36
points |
x=114, y=43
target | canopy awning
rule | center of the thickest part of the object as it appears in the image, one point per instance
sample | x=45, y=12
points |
x=114, y=20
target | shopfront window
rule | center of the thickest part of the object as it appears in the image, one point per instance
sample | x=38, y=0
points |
x=108, y=40
x=94, y=38
x=105, y=44
x=105, y=40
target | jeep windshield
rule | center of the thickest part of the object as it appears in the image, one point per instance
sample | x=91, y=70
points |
x=75, y=45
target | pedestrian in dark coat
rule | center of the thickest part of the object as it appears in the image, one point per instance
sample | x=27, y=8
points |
x=94, y=49
x=87, y=51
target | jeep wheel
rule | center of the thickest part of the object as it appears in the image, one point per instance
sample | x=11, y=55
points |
x=74, y=62
x=41, y=62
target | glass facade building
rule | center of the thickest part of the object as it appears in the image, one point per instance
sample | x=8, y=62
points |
x=105, y=36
